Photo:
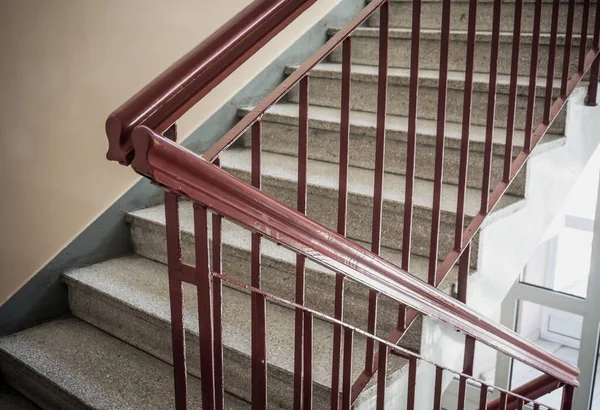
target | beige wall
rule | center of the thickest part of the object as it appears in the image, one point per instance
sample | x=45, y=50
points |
x=65, y=65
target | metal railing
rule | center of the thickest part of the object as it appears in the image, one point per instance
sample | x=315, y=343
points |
x=142, y=132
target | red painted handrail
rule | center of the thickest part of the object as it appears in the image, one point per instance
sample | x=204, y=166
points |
x=183, y=84
x=533, y=389
x=192, y=177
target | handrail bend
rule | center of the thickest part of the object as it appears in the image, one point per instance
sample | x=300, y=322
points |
x=166, y=98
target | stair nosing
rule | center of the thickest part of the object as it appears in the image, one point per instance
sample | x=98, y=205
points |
x=428, y=78
x=482, y=36
x=396, y=126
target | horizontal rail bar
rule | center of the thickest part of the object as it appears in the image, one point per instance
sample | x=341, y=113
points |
x=160, y=103
x=291, y=81
x=393, y=348
x=189, y=175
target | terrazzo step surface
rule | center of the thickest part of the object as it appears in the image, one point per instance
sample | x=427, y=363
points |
x=431, y=15
x=280, y=135
x=279, y=179
x=278, y=272
x=129, y=298
x=365, y=50
x=325, y=90
x=69, y=364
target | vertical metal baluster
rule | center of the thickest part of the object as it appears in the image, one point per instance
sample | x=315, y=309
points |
x=466, y=128
x=412, y=384
x=463, y=273
x=437, y=398
x=217, y=291
x=344, y=134
x=300, y=259
x=512, y=93
x=483, y=392
x=468, y=360
x=519, y=404
x=440, y=143
x=381, y=375
x=347, y=376
x=411, y=147
x=551, y=61
x=502, y=401
x=379, y=168
x=593, y=87
x=491, y=109
x=567, y=50
x=567, y=399
x=585, y=18
x=411, y=144
x=531, y=94
x=342, y=214
x=204, y=306
x=536, y=406
x=307, y=394
x=259, y=313
x=176, y=299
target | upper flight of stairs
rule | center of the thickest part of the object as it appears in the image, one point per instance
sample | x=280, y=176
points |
x=114, y=352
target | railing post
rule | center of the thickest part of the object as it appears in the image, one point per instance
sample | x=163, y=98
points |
x=259, y=314
x=593, y=87
x=440, y=143
x=491, y=110
x=382, y=96
x=300, y=259
x=217, y=292
x=346, y=95
x=205, y=325
x=176, y=291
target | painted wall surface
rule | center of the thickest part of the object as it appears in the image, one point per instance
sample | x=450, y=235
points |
x=65, y=66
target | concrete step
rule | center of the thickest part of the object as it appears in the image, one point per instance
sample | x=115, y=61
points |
x=10, y=399
x=68, y=364
x=325, y=90
x=365, y=50
x=278, y=269
x=279, y=178
x=128, y=298
x=431, y=15
x=280, y=135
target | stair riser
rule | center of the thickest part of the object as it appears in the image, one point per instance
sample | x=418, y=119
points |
x=153, y=336
x=326, y=92
x=322, y=207
x=431, y=16
x=365, y=50
x=324, y=145
x=278, y=277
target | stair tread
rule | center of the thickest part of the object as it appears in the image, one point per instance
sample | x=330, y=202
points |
x=95, y=369
x=329, y=118
x=239, y=237
x=360, y=181
x=427, y=77
x=143, y=284
x=458, y=35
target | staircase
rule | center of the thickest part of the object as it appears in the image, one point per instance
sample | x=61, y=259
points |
x=115, y=351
